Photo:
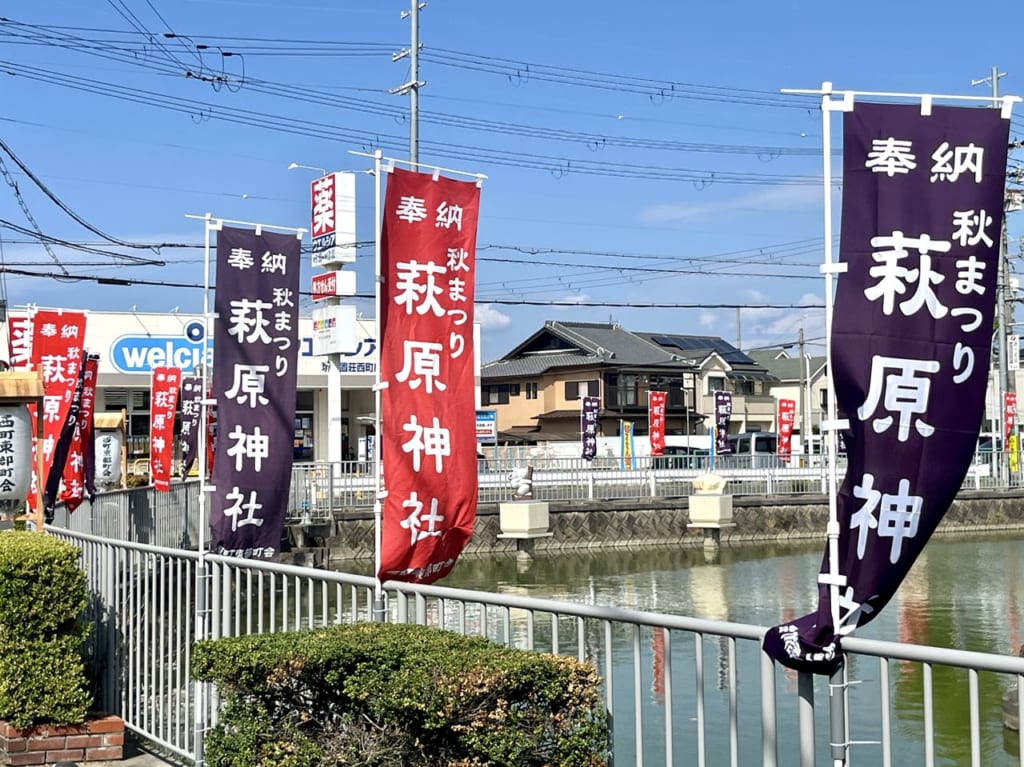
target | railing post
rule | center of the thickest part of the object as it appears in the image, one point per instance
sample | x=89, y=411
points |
x=837, y=716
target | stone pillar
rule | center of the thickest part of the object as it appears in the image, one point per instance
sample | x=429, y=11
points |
x=710, y=509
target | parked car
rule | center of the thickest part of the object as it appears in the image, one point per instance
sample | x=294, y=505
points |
x=752, y=450
x=681, y=457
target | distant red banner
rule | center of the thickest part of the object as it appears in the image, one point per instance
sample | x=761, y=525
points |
x=163, y=404
x=656, y=421
x=19, y=341
x=787, y=414
x=57, y=345
x=426, y=359
x=1009, y=416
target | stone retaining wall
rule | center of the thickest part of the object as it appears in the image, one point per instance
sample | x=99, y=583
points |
x=663, y=522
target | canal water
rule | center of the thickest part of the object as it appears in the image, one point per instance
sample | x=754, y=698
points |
x=964, y=594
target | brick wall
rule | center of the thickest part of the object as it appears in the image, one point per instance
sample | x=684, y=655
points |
x=99, y=739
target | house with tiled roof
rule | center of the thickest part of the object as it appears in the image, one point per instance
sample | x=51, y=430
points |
x=536, y=389
x=803, y=380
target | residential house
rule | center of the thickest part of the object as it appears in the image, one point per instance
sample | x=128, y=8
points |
x=805, y=381
x=536, y=389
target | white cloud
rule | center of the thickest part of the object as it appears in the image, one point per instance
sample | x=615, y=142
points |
x=707, y=319
x=490, y=318
x=775, y=199
x=572, y=298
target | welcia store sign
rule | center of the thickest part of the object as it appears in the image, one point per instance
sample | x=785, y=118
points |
x=140, y=354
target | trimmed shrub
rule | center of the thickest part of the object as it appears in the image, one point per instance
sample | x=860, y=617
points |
x=396, y=695
x=42, y=597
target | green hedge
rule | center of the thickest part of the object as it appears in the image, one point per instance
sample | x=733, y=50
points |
x=395, y=695
x=42, y=597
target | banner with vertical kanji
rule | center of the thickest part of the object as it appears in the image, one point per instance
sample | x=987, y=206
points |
x=656, y=401
x=254, y=375
x=723, y=414
x=589, y=409
x=191, y=412
x=79, y=468
x=57, y=344
x=428, y=437
x=626, y=445
x=19, y=341
x=787, y=413
x=1009, y=415
x=163, y=404
x=911, y=336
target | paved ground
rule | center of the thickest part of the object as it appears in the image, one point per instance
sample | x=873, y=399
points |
x=136, y=755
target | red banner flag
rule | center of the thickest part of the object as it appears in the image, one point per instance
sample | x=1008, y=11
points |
x=428, y=410
x=163, y=403
x=57, y=343
x=1009, y=416
x=787, y=414
x=19, y=341
x=78, y=466
x=656, y=421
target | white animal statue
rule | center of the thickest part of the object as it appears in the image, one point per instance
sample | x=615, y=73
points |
x=522, y=480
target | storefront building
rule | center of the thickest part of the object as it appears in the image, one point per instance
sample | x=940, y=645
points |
x=334, y=402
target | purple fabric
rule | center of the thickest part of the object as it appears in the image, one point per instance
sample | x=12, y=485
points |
x=723, y=414
x=588, y=426
x=254, y=374
x=911, y=332
x=191, y=410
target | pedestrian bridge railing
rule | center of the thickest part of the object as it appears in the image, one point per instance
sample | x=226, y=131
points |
x=680, y=690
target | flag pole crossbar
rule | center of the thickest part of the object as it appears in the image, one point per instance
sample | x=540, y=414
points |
x=389, y=163
x=844, y=99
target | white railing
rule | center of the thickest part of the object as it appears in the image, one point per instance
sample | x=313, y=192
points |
x=680, y=690
x=321, y=489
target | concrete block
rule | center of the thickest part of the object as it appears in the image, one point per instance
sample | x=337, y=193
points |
x=523, y=519
x=708, y=510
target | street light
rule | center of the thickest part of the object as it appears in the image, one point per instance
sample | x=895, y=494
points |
x=294, y=165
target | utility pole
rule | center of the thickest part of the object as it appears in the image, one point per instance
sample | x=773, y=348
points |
x=805, y=435
x=1004, y=308
x=412, y=87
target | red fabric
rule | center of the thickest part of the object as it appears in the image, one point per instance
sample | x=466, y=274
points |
x=426, y=356
x=73, y=492
x=787, y=414
x=57, y=342
x=163, y=403
x=656, y=421
x=1010, y=417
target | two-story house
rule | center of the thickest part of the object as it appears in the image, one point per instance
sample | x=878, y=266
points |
x=803, y=380
x=536, y=389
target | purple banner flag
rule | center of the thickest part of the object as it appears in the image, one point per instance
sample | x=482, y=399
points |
x=588, y=426
x=723, y=414
x=254, y=374
x=191, y=411
x=911, y=331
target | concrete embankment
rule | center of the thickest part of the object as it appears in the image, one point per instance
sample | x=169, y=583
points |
x=636, y=523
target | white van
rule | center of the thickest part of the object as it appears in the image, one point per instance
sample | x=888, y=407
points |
x=753, y=450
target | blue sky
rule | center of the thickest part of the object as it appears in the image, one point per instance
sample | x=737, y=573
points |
x=704, y=191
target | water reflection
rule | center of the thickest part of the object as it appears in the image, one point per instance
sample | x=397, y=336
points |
x=963, y=594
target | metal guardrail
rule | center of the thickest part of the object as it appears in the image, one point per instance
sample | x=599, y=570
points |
x=672, y=683
x=321, y=489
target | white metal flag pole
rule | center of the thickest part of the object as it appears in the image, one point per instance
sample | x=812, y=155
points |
x=379, y=492
x=201, y=628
